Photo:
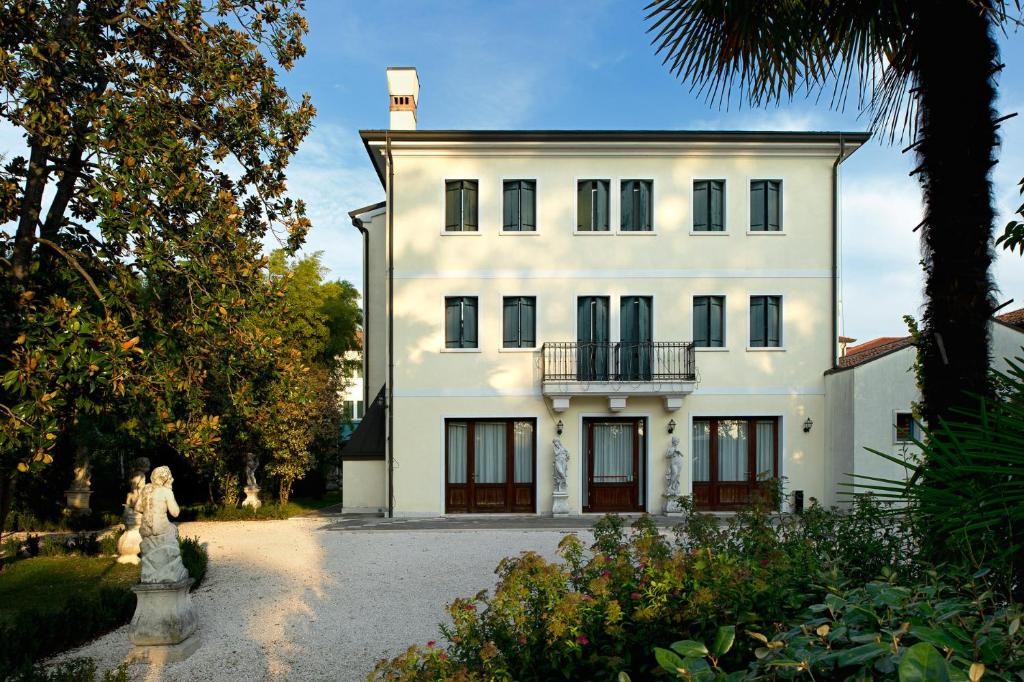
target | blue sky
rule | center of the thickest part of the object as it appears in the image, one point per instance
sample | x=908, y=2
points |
x=589, y=64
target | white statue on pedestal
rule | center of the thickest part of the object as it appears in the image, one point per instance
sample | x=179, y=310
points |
x=675, y=470
x=252, y=490
x=78, y=494
x=561, y=465
x=161, y=556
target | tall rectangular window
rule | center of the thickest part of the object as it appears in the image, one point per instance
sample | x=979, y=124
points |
x=765, y=321
x=519, y=205
x=460, y=322
x=592, y=206
x=460, y=206
x=709, y=321
x=519, y=322
x=709, y=205
x=637, y=206
x=765, y=205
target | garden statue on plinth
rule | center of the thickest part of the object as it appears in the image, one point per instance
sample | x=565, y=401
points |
x=164, y=618
x=130, y=542
x=252, y=491
x=675, y=469
x=560, y=501
x=78, y=494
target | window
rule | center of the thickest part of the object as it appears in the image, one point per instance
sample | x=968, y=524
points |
x=460, y=206
x=352, y=410
x=709, y=205
x=460, y=322
x=636, y=206
x=519, y=207
x=765, y=205
x=592, y=206
x=907, y=429
x=765, y=321
x=519, y=319
x=709, y=321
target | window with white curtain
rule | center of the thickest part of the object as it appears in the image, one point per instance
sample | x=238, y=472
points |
x=613, y=453
x=701, y=450
x=732, y=450
x=523, y=443
x=489, y=452
x=764, y=449
x=725, y=446
x=458, y=453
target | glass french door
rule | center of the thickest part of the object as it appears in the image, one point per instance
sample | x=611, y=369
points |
x=635, y=338
x=592, y=345
x=490, y=465
x=733, y=460
x=614, y=464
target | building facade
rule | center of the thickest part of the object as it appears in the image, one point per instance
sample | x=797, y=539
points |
x=613, y=290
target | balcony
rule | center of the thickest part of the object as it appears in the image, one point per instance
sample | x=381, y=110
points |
x=618, y=371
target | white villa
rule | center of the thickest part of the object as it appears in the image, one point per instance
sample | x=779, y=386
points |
x=612, y=289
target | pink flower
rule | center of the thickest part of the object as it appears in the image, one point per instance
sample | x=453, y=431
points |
x=469, y=607
x=444, y=656
x=587, y=598
x=582, y=639
x=522, y=640
x=606, y=574
x=431, y=644
x=635, y=595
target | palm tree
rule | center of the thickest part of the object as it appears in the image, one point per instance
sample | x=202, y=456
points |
x=923, y=69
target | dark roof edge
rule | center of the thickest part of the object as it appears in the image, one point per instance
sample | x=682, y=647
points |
x=366, y=209
x=615, y=136
x=1009, y=325
x=836, y=370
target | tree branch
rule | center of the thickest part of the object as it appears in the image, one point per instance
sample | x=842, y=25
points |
x=31, y=205
x=77, y=266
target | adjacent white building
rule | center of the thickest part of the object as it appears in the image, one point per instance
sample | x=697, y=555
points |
x=612, y=289
x=870, y=397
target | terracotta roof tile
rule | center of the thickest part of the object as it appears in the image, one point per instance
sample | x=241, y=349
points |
x=869, y=350
x=1014, y=318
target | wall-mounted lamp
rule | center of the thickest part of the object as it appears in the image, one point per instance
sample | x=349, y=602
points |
x=558, y=427
x=671, y=425
x=807, y=425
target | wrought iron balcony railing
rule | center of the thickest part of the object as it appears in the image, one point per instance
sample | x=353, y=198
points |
x=619, y=361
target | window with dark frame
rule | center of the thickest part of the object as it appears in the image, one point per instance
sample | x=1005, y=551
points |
x=765, y=321
x=636, y=206
x=460, y=322
x=709, y=321
x=461, y=206
x=519, y=322
x=519, y=205
x=709, y=205
x=765, y=205
x=907, y=429
x=592, y=206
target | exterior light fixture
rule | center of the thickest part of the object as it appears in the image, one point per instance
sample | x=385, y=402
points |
x=807, y=425
x=671, y=425
x=558, y=427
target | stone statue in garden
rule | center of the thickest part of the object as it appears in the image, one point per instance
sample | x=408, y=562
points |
x=675, y=470
x=78, y=494
x=130, y=542
x=161, y=556
x=561, y=465
x=252, y=490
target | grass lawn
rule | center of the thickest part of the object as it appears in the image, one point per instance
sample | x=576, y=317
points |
x=47, y=583
x=270, y=510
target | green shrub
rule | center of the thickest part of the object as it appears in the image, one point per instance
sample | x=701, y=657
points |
x=108, y=543
x=195, y=558
x=77, y=670
x=11, y=548
x=52, y=545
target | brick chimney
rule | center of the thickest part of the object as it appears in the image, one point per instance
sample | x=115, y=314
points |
x=404, y=93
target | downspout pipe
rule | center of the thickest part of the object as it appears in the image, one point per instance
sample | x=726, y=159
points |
x=834, y=340
x=391, y=328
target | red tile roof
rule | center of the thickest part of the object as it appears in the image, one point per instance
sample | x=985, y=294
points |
x=869, y=350
x=1014, y=318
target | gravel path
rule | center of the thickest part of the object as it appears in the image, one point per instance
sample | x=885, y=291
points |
x=290, y=600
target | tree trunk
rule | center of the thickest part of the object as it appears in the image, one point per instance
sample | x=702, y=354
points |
x=956, y=59
x=284, y=491
x=6, y=498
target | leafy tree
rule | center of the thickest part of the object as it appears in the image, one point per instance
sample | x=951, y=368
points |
x=131, y=270
x=920, y=67
x=1012, y=238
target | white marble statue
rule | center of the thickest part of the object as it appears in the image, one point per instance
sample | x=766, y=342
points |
x=130, y=542
x=561, y=465
x=161, y=557
x=83, y=471
x=675, y=469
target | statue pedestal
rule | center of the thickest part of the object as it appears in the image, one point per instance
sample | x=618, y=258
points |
x=560, y=504
x=672, y=506
x=163, y=621
x=77, y=502
x=252, y=497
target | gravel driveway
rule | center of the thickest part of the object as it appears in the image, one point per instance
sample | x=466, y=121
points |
x=291, y=600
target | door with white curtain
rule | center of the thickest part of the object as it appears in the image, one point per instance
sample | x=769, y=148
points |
x=735, y=460
x=614, y=464
x=490, y=465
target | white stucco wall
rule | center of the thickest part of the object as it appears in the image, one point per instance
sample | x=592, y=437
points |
x=364, y=488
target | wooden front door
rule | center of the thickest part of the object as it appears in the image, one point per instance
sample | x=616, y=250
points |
x=490, y=465
x=734, y=460
x=614, y=464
